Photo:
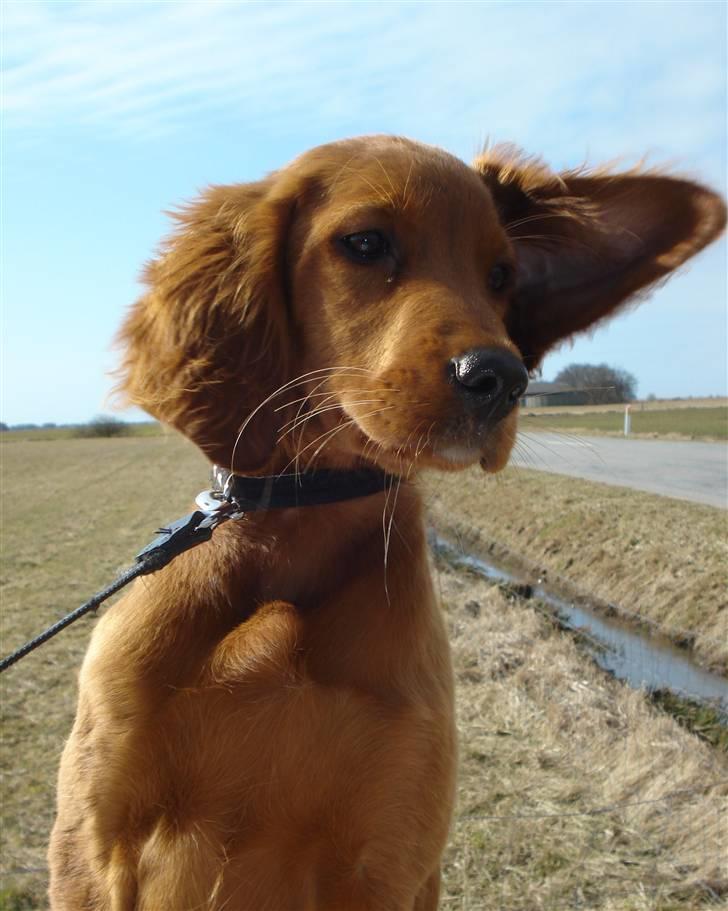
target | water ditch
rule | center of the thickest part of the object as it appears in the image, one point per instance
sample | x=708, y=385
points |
x=644, y=662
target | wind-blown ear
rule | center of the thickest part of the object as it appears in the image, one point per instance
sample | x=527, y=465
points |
x=588, y=243
x=206, y=345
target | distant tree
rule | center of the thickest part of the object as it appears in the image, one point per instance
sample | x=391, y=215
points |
x=602, y=384
x=103, y=425
x=3, y=426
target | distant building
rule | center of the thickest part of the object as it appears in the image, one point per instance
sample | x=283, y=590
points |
x=543, y=395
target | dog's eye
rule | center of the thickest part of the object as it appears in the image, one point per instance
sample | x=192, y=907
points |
x=500, y=277
x=366, y=246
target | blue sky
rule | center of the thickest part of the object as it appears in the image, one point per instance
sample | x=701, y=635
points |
x=115, y=111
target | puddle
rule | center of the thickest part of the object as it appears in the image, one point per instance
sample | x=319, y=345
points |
x=643, y=662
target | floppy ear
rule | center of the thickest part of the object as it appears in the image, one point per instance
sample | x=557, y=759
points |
x=206, y=345
x=587, y=243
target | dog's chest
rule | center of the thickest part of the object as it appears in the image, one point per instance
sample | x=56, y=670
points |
x=275, y=771
x=303, y=715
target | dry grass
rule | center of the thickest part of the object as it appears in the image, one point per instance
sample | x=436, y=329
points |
x=546, y=738
x=542, y=732
x=665, y=560
x=69, y=432
x=74, y=513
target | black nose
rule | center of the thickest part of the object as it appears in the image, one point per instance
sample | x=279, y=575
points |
x=491, y=378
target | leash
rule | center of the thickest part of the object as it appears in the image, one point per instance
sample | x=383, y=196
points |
x=231, y=497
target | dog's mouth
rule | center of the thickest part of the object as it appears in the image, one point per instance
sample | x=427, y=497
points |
x=416, y=416
x=459, y=455
x=452, y=446
x=375, y=420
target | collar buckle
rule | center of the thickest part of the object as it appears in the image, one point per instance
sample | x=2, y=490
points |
x=217, y=506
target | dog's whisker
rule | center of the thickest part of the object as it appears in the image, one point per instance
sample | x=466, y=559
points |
x=541, y=216
x=384, y=536
x=525, y=454
x=413, y=462
x=342, y=406
x=393, y=195
x=388, y=529
x=327, y=395
x=427, y=439
x=535, y=438
x=312, y=395
x=406, y=445
x=526, y=447
x=381, y=192
x=300, y=417
x=330, y=401
x=300, y=409
x=371, y=444
x=520, y=447
x=327, y=435
x=405, y=198
x=400, y=449
x=301, y=379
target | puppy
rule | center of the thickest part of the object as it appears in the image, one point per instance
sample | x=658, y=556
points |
x=267, y=724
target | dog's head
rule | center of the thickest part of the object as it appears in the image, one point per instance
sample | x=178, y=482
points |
x=378, y=300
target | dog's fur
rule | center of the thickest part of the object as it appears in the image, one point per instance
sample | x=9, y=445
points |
x=267, y=724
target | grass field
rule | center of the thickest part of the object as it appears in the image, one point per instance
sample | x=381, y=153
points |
x=47, y=434
x=575, y=792
x=715, y=401
x=692, y=423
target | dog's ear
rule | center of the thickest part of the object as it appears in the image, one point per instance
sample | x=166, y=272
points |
x=206, y=345
x=588, y=243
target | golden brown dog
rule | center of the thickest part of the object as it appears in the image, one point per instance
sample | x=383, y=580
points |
x=267, y=724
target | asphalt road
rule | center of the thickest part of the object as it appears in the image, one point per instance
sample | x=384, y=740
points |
x=682, y=469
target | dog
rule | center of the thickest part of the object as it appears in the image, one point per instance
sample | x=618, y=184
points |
x=267, y=724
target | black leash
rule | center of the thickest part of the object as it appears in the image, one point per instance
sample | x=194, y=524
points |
x=231, y=497
x=127, y=576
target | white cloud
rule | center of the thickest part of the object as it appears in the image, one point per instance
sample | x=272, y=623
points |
x=113, y=65
x=589, y=78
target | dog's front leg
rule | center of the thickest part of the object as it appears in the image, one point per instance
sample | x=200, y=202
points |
x=428, y=896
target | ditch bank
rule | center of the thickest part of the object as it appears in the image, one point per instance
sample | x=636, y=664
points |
x=655, y=565
x=644, y=662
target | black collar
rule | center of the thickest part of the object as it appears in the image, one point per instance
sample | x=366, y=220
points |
x=308, y=488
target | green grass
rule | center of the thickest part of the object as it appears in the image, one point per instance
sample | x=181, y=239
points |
x=696, y=423
x=14, y=900
x=702, y=720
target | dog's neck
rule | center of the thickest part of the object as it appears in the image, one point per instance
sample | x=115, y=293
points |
x=299, y=554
